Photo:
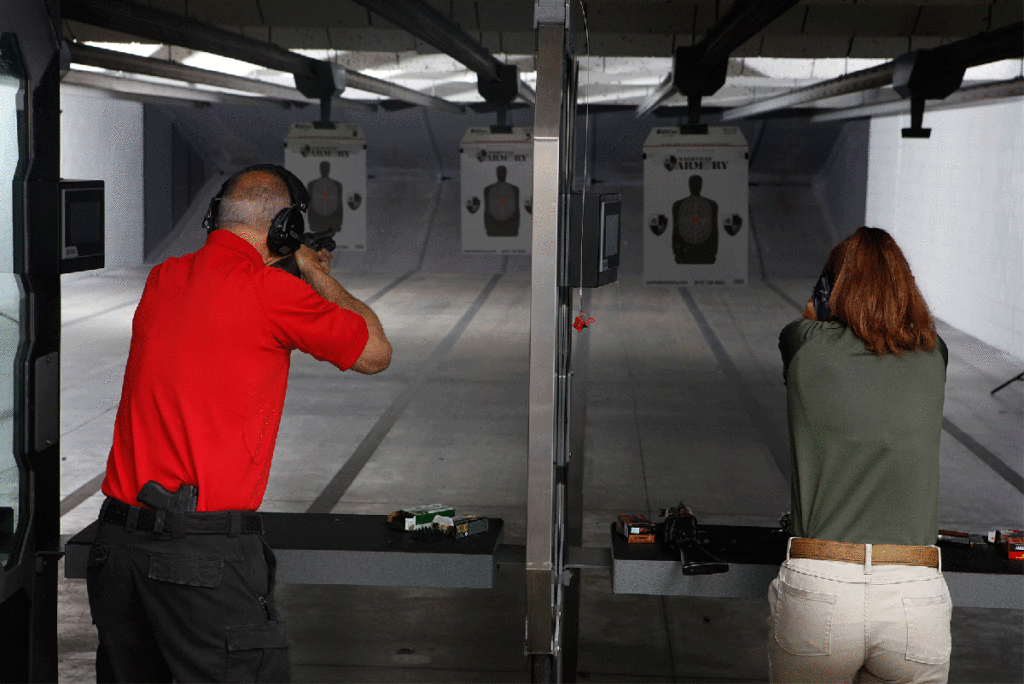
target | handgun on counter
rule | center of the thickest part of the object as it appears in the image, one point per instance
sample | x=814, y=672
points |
x=680, y=530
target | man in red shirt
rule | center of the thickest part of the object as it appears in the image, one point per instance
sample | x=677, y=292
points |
x=183, y=595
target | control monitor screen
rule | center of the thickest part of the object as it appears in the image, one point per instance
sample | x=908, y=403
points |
x=610, y=212
x=84, y=221
x=81, y=225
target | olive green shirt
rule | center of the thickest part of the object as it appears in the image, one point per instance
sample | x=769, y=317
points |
x=864, y=436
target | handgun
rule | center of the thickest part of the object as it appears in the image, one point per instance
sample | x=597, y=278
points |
x=155, y=495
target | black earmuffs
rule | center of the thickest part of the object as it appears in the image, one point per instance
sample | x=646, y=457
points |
x=822, y=292
x=285, y=233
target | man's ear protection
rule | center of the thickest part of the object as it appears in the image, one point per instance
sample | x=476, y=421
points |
x=822, y=292
x=285, y=233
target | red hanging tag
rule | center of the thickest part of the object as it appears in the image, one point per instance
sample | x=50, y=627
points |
x=582, y=321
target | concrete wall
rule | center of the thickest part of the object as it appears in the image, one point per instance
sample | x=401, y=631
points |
x=954, y=204
x=841, y=186
x=157, y=163
x=101, y=139
x=176, y=169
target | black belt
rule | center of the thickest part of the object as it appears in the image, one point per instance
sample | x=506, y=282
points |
x=133, y=519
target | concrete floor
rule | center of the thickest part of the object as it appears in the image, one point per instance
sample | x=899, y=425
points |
x=686, y=401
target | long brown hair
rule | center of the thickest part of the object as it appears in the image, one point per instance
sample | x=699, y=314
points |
x=874, y=293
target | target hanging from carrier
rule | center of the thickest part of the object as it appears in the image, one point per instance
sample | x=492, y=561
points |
x=331, y=160
x=695, y=207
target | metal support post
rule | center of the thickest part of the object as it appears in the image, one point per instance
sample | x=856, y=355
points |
x=571, y=576
x=541, y=561
x=550, y=346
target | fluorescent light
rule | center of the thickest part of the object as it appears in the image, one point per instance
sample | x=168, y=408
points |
x=140, y=49
x=996, y=71
x=804, y=69
x=224, y=65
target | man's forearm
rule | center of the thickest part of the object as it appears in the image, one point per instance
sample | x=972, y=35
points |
x=331, y=290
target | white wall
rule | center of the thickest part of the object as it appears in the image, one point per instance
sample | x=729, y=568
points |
x=101, y=139
x=953, y=203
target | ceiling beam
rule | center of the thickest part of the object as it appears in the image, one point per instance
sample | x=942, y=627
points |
x=744, y=20
x=432, y=27
x=166, y=27
x=175, y=29
x=991, y=46
x=120, y=61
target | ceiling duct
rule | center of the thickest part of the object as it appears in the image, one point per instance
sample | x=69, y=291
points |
x=119, y=61
x=174, y=29
x=937, y=73
x=126, y=87
x=936, y=70
x=423, y=22
x=700, y=70
x=866, y=79
x=976, y=94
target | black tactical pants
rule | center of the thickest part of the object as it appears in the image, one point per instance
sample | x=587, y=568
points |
x=197, y=608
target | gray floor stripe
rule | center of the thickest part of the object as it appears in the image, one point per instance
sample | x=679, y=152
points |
x=388, y=288
x=757, y=247
x=777, y=446
x=340, y=483
x=626, y=332
x=986, y=456
x=430, y=224
x=76, y=498
x=778, y=290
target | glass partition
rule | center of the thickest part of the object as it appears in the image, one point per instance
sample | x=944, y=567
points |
x=11, y=327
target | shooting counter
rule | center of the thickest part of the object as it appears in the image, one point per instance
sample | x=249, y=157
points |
x=358, y=549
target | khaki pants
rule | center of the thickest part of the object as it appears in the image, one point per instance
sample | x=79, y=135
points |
x=848, y=622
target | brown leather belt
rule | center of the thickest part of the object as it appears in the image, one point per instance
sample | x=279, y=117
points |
x=881, y=554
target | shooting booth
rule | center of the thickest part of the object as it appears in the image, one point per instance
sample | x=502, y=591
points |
x=330, y=158
x=560, y=225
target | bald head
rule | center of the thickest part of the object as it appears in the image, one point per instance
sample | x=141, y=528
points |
x=253, y=199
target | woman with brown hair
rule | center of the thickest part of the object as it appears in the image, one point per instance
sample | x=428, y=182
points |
x=861, y=595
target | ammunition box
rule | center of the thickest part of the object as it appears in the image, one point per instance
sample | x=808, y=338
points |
x=1014, y=547
x=636, y=529
x=1010, y=541
x=419, y=516
x=462, y=526
x=466, y=525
